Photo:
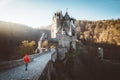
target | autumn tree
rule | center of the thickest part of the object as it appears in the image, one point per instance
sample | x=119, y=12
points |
x=27, y=47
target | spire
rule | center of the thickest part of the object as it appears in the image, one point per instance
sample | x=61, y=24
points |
x=66, y=15
x=66, y=9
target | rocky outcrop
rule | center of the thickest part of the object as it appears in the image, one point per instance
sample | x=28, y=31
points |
x=81, y=64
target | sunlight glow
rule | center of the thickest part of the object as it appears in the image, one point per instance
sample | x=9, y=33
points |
x=37, y=13
x=3, y=3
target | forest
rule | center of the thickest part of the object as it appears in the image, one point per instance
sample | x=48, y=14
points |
x=13, y=35
x=17, y=39
x=102, y=33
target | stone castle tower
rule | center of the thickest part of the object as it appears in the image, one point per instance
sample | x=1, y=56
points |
x=63, y=29
x=56, y=24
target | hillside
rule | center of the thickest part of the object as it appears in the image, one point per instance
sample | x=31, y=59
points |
x=81, y=64
x=104, y=31
x=11, y=36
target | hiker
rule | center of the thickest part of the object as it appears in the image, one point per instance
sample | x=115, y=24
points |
x=26, y=61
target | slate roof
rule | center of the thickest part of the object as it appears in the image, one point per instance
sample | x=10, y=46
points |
x=66, y=16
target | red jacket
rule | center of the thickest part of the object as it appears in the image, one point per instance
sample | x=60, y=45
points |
x=26, y=59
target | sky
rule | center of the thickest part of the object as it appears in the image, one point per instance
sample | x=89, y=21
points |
x=39, y=13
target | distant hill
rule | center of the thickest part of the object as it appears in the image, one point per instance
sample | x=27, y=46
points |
x=46, y=27
x=103, y=31
x=12, y=34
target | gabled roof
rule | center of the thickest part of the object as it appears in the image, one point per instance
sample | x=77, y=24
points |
x=66, y=16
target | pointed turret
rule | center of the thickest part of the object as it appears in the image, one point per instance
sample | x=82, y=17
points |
x=66, y=16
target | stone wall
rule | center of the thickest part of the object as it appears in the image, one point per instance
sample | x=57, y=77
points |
x=5, y=65
x=14, y=63
x=66, y=41
x=55, y=66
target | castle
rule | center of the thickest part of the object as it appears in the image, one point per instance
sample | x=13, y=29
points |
x=63, y=29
